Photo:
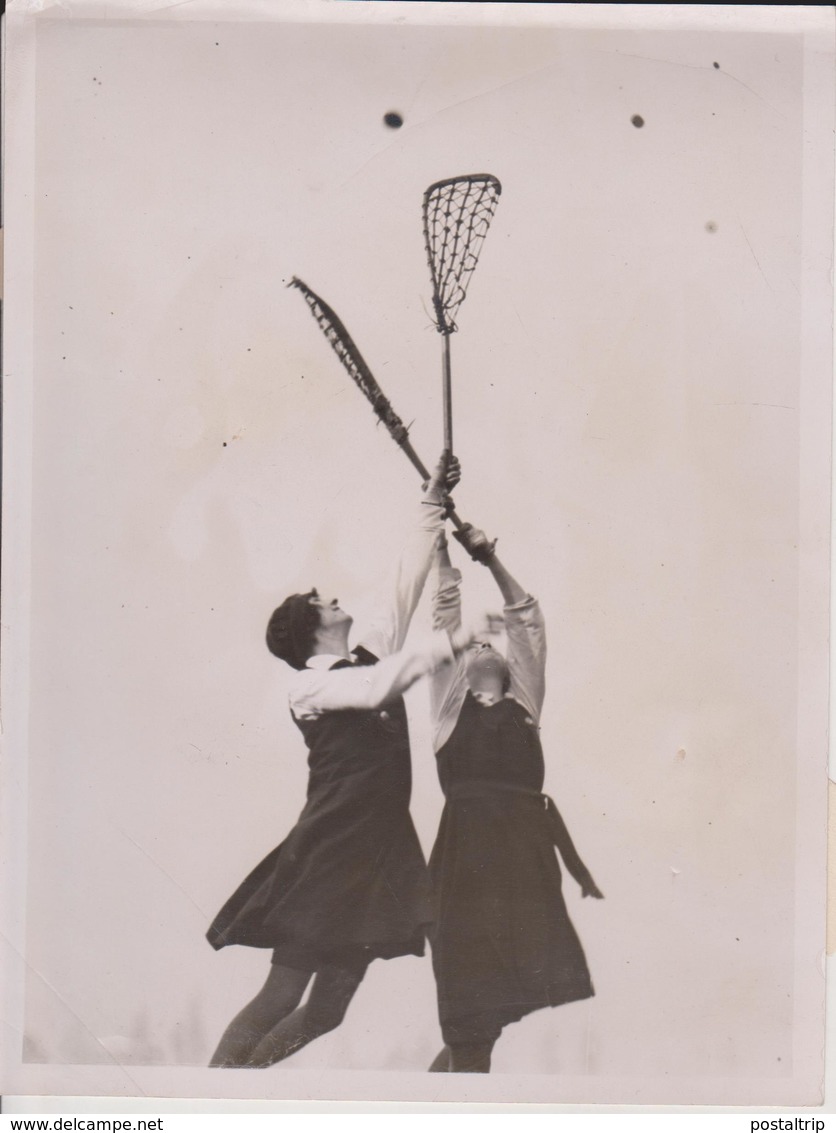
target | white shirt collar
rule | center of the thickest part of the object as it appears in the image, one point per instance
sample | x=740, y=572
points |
x=486, y=700
x=323, y=661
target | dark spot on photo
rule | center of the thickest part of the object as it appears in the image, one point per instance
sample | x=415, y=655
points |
x=716, y=66
x=393, y=120
x=711, y=226
x=637, y=121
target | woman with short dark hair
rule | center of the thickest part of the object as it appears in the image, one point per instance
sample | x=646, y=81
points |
x=349, y=884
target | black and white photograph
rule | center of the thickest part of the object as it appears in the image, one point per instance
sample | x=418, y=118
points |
x=416, y=505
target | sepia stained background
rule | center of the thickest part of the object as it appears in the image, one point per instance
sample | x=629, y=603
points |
x=627, y=384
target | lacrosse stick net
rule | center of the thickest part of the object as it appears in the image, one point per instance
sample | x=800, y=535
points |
x=457, y=215
x=346, y=350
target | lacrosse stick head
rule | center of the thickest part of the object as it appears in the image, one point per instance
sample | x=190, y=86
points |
x=457, y=215
x=350, y=356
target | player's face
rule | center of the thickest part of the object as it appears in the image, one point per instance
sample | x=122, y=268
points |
x=485, y=666
x=330, y=612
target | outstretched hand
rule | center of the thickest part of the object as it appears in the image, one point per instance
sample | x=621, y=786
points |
x=475, y=542
x=472, y=629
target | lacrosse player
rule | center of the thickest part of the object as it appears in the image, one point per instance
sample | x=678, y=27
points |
x=349, y=884
x=503, y=944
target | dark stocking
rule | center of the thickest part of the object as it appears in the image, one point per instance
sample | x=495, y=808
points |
x=471, y=1058
x=281, y=993
x=331, y=993
x=441, y=1063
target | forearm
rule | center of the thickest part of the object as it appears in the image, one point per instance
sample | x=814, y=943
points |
x=510, y=589
x=481, y=549
x=413, y=570
x=388, y=631
x=367, y=686
x=446, y=606
x=407, y=667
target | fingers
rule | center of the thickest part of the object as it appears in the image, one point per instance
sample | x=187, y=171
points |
x=475, y=542
x=446, y=475
x=454, y=473
x=448, y=470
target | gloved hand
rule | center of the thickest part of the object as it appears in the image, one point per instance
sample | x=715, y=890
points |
x=476, y=543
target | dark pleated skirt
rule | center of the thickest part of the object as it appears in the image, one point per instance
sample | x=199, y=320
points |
x=503, y=944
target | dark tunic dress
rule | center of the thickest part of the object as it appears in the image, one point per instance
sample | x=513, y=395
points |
x=349, y=883
x=503, y=944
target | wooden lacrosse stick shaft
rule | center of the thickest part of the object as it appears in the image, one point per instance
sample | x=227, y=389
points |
x=447, y=394
x=344, y=346
x=416, y=459
x=425, y=475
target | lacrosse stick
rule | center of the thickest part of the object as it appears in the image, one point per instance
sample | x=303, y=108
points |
x=332, y=327
x=457, y=215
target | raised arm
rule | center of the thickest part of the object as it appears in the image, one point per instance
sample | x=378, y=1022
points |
x=447, y=599
x=524, y=624
x=315, y=691
x=510, y=589
x=448, y=685
x=388, y=630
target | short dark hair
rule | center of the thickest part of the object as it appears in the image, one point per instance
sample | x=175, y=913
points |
x=292, y=628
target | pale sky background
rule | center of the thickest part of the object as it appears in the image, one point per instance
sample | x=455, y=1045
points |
x=627, y=397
